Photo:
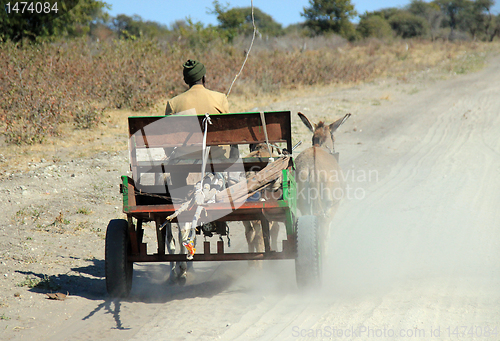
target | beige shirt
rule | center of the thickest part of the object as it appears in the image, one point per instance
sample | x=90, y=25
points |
x=200, y=99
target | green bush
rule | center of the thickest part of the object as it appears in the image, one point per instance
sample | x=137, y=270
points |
x=374, y=26
x=407, y=25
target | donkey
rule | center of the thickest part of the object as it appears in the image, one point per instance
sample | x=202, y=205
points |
x=320, y=183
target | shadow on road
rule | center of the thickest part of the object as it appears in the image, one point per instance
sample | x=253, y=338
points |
x=149, y=282
x=87, y=281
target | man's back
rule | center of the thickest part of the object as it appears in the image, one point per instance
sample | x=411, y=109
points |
x=200, y=99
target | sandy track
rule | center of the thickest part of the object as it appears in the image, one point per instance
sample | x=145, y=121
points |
x=414, y=249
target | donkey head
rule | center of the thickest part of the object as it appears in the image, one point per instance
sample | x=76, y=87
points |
x=323, y=133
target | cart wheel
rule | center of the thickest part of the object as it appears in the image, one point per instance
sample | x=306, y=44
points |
x=308, y=261
x=118, y=269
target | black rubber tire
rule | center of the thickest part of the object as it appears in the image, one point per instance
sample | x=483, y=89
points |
x=118, y=269
x=308, y=265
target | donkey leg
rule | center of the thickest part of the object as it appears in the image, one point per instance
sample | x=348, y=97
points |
x=274, y=231
x=249, y=234
x=170, y=243
x=259, y=239
x=327, y=220
x=182, y=266
x=250, y=237
x=253, y=234
x=258, y=242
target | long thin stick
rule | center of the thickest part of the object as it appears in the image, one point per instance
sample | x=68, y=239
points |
x=248, y=53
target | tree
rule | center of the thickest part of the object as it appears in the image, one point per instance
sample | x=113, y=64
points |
x=196, y=35
x=330, y=16
x=430, y=12
x=454, y=11
x=385, y=13
x=239, y=20
x=135, y=27
x=73, y=18
x=472, y=16
x=478, y=19
x=374, y=26
x=495, y=31
x=408, y=25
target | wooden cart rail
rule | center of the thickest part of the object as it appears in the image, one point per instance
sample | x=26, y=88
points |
x=179, y=130
x=194, y=165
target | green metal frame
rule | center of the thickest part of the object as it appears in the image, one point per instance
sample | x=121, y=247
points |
x=290, y=199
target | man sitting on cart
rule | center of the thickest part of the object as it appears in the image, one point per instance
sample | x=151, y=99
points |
x=197, y=97
x=196, y=100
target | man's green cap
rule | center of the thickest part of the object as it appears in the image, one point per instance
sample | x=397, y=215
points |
x=193, y=71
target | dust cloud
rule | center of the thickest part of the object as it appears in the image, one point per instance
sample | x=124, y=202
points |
x=417, y=224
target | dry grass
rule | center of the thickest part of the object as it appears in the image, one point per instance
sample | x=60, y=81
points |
x=84, y=75
x=110, y=136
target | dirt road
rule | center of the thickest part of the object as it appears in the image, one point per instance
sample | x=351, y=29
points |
x=414, y=250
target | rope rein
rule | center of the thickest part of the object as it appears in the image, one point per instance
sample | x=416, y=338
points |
x=248, y=53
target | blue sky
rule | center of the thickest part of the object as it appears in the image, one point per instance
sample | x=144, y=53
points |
x=285, y=11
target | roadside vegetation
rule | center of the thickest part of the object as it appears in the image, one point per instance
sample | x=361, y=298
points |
x=72, y=74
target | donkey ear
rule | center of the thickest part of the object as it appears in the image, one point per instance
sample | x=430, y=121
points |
x=306, y=121
x=335, y=125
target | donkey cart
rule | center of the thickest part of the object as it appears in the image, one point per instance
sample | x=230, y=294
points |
x=187, y=169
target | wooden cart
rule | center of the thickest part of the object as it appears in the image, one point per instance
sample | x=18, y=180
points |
x=145, y=201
